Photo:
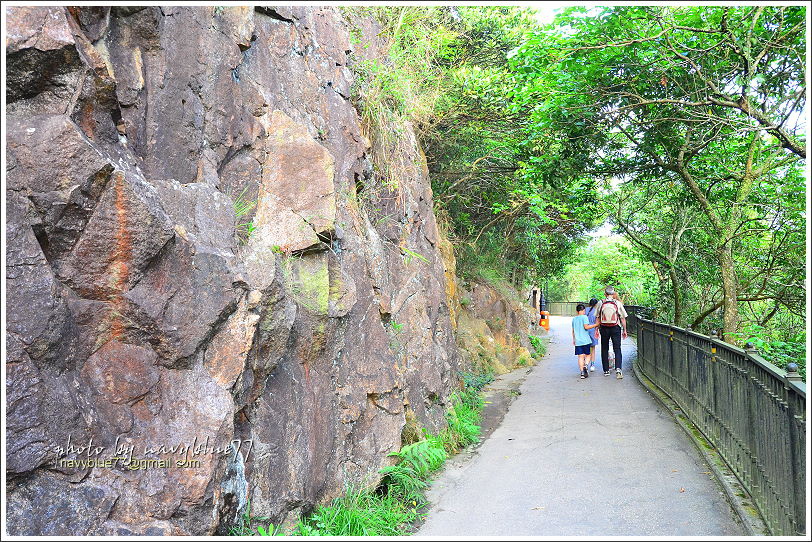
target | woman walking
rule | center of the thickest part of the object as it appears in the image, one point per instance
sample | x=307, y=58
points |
x=590, y=314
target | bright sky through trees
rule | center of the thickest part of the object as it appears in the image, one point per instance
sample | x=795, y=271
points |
x=545, y=11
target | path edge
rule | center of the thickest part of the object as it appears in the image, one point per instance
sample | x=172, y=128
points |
x=749, y=516
x=466, y=454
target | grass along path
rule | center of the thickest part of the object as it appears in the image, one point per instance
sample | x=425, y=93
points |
x=398, y=502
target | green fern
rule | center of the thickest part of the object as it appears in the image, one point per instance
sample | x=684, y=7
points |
x=463, y=420
x=403, y=481
x=422, y=456
x=415, y=462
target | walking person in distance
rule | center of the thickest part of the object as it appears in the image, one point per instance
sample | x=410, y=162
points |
x=611, y=317
x=616, y=297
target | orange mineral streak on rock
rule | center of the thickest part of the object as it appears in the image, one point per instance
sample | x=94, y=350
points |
x=123, y=251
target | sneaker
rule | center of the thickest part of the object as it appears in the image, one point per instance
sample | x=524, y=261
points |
x=586, y=373
x=606, y=373
x=583, y=375
x=619, y=374
x=592, y=366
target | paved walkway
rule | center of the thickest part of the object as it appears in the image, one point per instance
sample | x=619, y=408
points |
x=580, y=457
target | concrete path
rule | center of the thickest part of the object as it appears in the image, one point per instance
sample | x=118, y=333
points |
x=580, y=457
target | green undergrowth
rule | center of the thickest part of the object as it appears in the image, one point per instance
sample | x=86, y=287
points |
x=397, y=89
x=484, y=263
x=778, y=347
x=399, y=501
x=539, y=345
x=497, y=280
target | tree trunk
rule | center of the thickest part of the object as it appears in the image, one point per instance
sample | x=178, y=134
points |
x=730, y=292
x=672, y=274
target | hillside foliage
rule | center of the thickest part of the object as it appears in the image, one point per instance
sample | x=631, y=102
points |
x=681, y=127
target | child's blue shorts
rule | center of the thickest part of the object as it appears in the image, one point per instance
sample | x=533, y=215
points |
x=583, y=349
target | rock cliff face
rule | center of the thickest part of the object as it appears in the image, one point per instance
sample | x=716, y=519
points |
x=493, y=328
x=199, y=256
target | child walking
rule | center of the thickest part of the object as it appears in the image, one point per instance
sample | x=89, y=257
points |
x=581, y=339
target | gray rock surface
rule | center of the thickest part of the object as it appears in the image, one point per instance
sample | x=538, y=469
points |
x=144, y=312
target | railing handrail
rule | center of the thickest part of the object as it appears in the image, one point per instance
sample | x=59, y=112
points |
x=755, y=357
x=750, y=410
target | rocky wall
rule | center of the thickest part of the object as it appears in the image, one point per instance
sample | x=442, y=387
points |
x=491, y=322
x=210, y=298
x=492, y=328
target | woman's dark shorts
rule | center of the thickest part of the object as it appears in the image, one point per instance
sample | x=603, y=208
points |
x=583, y=349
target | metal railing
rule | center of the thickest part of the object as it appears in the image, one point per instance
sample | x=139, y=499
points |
x=637, y=310
x=753, y=412
x=562, y=308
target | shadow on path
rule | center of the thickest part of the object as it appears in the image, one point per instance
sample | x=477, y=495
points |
x=580, y=457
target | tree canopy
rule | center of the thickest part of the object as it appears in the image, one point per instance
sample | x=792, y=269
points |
x=681, y=127
x=698, y=112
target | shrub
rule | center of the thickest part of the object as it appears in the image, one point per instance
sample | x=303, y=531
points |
x=463, y=419
x=539, y=345
x=359, y=513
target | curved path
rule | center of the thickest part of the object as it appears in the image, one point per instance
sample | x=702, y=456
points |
x=580, y=457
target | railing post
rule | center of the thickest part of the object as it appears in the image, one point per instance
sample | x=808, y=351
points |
x=671, y=360
x=713, y=376
x=798, y=466
x=754, y=489
x=792, y=373
x=641, y=345
x=651, y=362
